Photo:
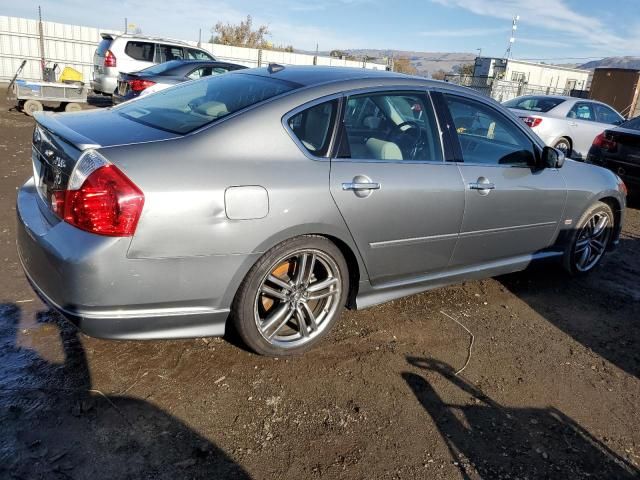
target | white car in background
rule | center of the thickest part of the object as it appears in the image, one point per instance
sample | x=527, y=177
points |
x=131, y=53
x=566, y=123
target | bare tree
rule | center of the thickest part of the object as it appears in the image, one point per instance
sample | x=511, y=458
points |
x=241, y=35
x=403, y=65
x=439, y=75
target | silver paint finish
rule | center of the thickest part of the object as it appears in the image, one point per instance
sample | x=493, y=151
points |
x=417, y=226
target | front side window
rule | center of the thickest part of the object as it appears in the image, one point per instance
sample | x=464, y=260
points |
x=390, y=126
x=192, y=105
x=583, y=111
x=607, y=115
x=488, y=137
x=313, y=127
x=167, y=53
x=142, y=51
x=193, y=54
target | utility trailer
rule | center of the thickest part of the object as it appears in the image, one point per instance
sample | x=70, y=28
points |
x=32, y=96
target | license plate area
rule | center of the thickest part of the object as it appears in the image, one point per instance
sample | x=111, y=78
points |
x=122, y=88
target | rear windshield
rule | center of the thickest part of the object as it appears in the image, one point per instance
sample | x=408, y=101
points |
x=534, y=104
x=103, y=46
x=633, y=124
x=162, y=68
x=187, y=107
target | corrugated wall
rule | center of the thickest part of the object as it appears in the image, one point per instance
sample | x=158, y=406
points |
x=74, y=45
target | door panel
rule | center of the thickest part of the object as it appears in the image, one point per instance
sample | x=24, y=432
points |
x=512, y=207
x=408, y=226
x=519, y=216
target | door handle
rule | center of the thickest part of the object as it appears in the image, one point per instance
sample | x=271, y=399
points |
x=481, y=186
x=573, y=124
x=361, y=186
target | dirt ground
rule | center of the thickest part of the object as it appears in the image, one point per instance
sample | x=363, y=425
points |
x=552, y=388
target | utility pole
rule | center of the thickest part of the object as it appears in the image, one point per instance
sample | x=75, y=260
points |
x=479, y=52
x=41, y=34
x=512, y=39
x=126, y=25
x=199, y=38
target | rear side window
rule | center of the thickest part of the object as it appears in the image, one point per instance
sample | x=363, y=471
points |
x=103, y=46
x=534, y=104
x=191, y=105
x=390, y=126
x=583, y=111
x=193, y=54
x=142, y=51
x=313, y=127
x=488, y=137
x=167, y=53
x=206, y=71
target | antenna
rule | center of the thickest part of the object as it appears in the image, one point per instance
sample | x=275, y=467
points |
x=512, y=39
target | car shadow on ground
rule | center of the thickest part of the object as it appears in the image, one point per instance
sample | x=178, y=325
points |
x=490, y=440
x=603, y=318
x=54, y=425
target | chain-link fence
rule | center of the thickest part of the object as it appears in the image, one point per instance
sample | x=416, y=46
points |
x=503, y=90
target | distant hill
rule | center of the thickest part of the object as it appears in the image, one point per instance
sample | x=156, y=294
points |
x=614, y=62
x=425, y=63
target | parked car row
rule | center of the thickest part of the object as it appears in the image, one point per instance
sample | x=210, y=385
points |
x=584, y=130
x=268, y=199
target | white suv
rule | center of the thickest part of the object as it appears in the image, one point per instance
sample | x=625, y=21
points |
x=131, y=53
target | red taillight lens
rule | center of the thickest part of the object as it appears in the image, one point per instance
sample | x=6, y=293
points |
x=107, y=203
x=110, y=59
x=603, y=142
x=137, y=85
x=532, y=121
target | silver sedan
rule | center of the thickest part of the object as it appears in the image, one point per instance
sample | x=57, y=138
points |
x=269, y=199
x=566, y=123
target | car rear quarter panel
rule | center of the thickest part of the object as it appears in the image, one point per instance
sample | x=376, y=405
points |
x=184, y=183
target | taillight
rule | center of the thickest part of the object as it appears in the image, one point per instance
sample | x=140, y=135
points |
x=603, y=142
x=99, y=198
x=532, y=121
x=110, y=59
x=137, y=84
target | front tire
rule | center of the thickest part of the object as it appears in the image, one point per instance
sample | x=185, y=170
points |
x=292, y=296
x=590, y=239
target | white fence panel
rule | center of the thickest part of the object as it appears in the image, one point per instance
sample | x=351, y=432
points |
x=74, y=46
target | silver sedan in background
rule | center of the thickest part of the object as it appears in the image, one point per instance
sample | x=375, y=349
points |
x=566, y=123
x=269, y=199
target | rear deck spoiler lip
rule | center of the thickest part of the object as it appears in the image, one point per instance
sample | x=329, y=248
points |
x=48, y=120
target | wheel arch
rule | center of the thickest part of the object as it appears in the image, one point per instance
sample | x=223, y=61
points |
x=617, y=207
x=342, y=240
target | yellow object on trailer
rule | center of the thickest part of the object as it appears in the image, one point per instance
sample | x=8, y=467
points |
x=70, y=75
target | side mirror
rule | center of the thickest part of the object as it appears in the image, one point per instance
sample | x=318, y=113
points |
x=552, y=158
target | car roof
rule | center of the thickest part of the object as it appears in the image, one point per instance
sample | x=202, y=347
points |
x=317, y=75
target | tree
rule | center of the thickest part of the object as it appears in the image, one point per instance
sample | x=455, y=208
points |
x=403, y=65
x=467, y=69
x=336, y=54
x=241, y=35
x=439, y=75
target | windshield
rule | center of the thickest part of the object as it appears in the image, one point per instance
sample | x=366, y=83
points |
x=534, y=104
x=161, y=68
x=187, y=107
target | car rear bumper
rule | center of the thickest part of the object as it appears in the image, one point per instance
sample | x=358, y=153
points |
x=89, y=279
x=104, y=83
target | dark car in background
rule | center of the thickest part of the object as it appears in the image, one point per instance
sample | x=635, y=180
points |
x=618, y=149
x=165, y=75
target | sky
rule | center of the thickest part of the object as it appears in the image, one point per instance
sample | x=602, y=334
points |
x=560, y=31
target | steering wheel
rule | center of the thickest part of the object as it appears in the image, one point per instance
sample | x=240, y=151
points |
x=413, y=133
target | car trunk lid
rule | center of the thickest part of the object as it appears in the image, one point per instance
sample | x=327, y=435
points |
x=624, y=159
x=59, y=140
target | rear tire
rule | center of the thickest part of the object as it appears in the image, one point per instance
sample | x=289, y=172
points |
x=32, y=106
x=292, y=296
x=564, y=145
x=589, y=240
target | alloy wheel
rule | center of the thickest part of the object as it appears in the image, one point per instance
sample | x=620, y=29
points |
x=592, y=242
x=297, y=298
